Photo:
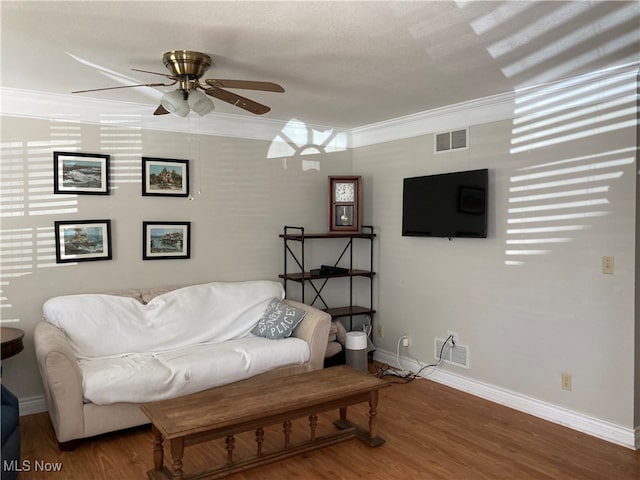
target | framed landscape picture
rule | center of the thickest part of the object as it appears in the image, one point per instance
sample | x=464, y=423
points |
x=162, y=177
x=83, y=240
x=81, y=173
x=166, y=240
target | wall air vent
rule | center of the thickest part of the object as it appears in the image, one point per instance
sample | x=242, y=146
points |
x=453, y=355
x=453, y=140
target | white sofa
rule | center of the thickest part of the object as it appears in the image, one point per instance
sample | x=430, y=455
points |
x=101, y=356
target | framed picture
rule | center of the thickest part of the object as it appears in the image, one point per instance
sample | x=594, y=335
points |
x=161, y=177
x=81, y=173
x=165, y=240
x=83, y=240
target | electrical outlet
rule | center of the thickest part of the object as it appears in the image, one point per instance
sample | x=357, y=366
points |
x=607, y=265
x=566, y=380
x=405, y=340
x=455, y=336
x=379, y=331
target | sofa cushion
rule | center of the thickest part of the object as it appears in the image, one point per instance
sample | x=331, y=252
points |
x=145, y=377
x=278, y=320
x=103, y=325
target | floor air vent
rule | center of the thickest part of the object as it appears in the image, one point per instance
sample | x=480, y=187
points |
x=453, y=140
x=458, y=355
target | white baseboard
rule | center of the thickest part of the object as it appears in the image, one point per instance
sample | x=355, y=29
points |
x=610, y=432
x=31, y=405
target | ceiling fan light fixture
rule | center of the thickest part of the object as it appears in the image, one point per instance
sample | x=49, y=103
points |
x=199, y=102
x=174, y=102
x=186, y=67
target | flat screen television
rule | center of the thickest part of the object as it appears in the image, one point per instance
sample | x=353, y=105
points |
x=446, y=205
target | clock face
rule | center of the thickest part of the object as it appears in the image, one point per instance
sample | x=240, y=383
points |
x=344, y=192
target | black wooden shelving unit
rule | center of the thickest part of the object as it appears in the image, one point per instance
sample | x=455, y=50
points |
x=302, y=275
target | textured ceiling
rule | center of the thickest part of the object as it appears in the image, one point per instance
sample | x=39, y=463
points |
x=342, y=63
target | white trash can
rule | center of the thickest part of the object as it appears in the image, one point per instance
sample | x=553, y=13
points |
x=356, y=351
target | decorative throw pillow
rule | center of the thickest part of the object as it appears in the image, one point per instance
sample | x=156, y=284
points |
x=278, y=320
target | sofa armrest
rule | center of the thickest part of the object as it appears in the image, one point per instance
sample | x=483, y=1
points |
x=62, y=381
x=314, y=329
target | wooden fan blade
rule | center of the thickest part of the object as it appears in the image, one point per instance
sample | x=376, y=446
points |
x=161, y=111
x=237, y=100
x=155, y=73
x=245, y=84
x=127, y=86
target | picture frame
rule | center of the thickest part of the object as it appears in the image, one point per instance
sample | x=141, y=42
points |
x=82, y=240
x=165, y=177
x=166, y=240
x=81, y=173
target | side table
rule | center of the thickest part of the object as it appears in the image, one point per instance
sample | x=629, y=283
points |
x=11, y=341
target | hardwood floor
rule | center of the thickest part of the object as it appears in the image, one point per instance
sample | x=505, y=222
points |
x=431, y=432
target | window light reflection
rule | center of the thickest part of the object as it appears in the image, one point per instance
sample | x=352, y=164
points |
x=297, y=139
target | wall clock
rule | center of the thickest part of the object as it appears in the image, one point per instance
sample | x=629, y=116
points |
x=344, y=203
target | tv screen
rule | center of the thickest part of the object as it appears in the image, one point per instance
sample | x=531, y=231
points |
x=446, y=205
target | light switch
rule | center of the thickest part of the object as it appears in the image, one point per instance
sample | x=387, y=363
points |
x=607, y=265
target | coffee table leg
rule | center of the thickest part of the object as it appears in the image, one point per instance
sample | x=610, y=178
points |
x=230, y=441
x=369, y=437
x=177, y=451
x=373, y=439
x=158, y=449
x=286, y=429
x=373, y=404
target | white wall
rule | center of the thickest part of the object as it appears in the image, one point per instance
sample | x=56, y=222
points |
x=241, y=200
x=526, y=317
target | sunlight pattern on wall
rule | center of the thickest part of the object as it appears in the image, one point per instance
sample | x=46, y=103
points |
x=16, y=254
x=574, y=109
x=121, y=137
x=565, y=196
x=26, y=183
x=551, y=203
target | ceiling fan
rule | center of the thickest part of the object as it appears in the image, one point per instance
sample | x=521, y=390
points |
x=186, y=68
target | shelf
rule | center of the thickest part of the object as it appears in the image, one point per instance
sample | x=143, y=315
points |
x=316, y=281
x=300, y=277
x=299, y=237
x=337, y=312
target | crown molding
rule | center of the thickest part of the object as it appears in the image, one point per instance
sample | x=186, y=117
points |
x=482, y=110
x=460, y=115
x=52, y=106
x=42, y=105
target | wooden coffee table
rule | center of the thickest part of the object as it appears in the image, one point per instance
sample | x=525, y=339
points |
x=253, y=404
